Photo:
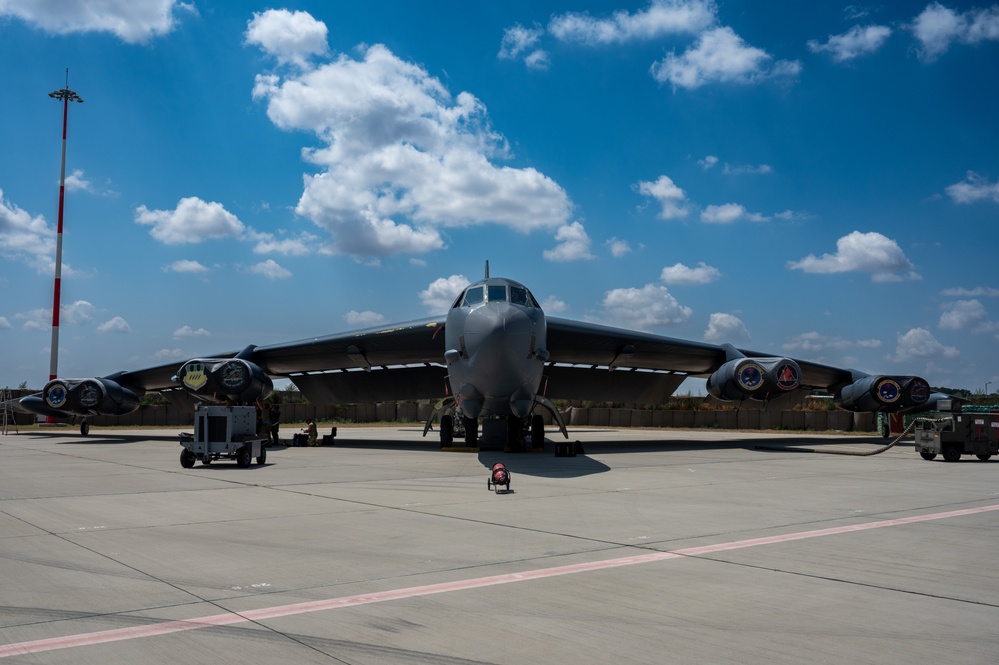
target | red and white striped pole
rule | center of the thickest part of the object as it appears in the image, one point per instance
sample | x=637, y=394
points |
x=67, y=96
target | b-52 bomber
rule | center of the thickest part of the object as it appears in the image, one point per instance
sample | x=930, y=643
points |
x=491, y=364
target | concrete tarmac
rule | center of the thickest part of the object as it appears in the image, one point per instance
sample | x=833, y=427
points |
x=655, y=546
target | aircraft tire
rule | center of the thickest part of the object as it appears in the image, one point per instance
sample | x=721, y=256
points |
x=84, y=428
x=471, y=432
x=447, y=431
x=514, y=434
x=537, y=432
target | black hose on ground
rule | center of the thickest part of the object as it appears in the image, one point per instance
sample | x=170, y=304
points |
x=855, y=453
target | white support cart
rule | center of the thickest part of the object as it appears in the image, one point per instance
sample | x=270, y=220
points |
x=223, y=432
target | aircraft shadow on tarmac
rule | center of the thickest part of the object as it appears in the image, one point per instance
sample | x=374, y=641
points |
x=101, y=439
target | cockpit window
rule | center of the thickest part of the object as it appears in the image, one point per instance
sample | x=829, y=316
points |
x=473, y=296
x=497, y=293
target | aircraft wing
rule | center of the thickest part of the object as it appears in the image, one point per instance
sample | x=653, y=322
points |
x=405, y=361
x=387, y=363
x=595, y=362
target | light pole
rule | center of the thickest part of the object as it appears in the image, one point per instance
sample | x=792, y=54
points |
x=987, y=387
x=66, y=96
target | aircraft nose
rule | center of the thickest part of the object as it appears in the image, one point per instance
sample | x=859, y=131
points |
x=504, y=322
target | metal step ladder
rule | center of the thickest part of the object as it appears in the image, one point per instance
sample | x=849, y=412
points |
x=7, y=397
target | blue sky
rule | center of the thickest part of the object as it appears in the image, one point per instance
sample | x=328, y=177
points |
x=814, y=179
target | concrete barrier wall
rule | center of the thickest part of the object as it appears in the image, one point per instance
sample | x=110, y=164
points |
x=173, y=416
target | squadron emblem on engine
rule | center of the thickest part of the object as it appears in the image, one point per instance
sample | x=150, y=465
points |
x=56, y=396
x=787, y=377
x=234, y=375
x=750, y=376
x=195, y=376
x=889, y=391
x=90, y=396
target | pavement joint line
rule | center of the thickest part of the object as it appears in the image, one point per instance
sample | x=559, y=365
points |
x=278, y=611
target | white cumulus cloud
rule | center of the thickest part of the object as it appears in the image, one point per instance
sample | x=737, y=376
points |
x=25, y=238
x=973, y=189
x=401, y=157
x=661, y=17
x=520, y=41
x=116, y=324
x=967, y=315
x=814, y=342
x=573, y=244
x=647, y=308
x=192, y=221
x=188, y=331
x=618, y=248
x=442, y=292
x=366, y=318
x=920, y=344
x=679, y=273
x=722, y=56
x=855, y=42
x=726, y=328
x=291, y=37
x=723, y=214
x=186, y=265
x=978, y=291
x=270, y=269
x=861, y=252
x=672, y=200
x=937, y=27
x=131, y=21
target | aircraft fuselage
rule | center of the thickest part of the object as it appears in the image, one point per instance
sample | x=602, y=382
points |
x=495, y=349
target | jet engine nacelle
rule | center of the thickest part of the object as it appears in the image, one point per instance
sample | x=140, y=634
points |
x=233, y=378
x=94, y=397
x=754, y=378
x=884, y=393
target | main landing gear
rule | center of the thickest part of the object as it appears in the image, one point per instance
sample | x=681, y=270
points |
x=518, y=431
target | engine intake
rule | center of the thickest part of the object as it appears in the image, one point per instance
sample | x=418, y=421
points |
x=235, y=379
x=884, y=393
x=94, y=397
x=759, y=379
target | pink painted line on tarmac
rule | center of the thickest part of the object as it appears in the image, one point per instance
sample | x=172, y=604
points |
x=229, y=618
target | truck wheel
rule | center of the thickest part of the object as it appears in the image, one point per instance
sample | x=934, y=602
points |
x=929, y=457
x=243, y=457
x=187, y=458
x=951, y=453
x=263, y=456
x=983, y=456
